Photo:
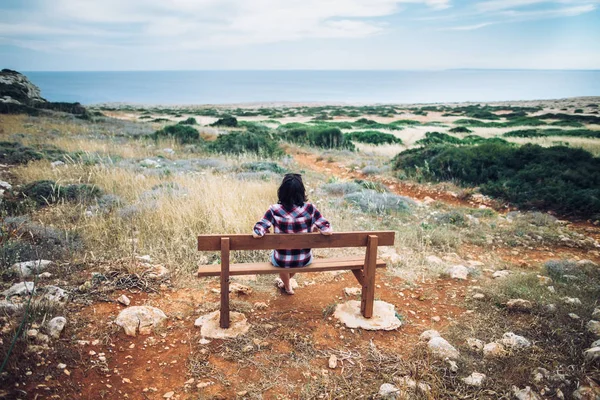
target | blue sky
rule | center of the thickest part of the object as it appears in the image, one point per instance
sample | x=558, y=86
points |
x=38, y=35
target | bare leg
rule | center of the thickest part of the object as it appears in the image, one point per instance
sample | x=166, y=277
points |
x=285, y=278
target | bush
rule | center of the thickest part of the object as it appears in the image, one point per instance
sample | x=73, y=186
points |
x=226, y=120
x=379, y=203
x=432, y=138
x=47, y=192
x=318, y=136
x=452, y=218
x=525, y=133
x=460, y=129
x=555, y=178
x=16, y=153
x=341, y=188
x=263, y=166
x=184, y=134
x=246, y=142
x=189, y=121
x=373, y=137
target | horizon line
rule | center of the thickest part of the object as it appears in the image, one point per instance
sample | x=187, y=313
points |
x=317, y=70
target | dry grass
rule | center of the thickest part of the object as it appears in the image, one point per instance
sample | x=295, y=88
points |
x=588, y=144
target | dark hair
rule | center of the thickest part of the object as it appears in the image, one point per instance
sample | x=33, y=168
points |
x=291, y=192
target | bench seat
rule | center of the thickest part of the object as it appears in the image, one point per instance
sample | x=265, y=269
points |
x=318, y=265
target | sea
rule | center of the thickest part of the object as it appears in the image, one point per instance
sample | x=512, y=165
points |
x=353, y=87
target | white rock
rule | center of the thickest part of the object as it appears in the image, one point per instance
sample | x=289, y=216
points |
x=475, y=379
x=204, y=341
x=596, y=313
x=475, y=344
x=459, y=272
x=54, y=293
x=32, y=333
x=596, y=343
x=124, y=300
x=550, y=308
x=479, y=296
x=384, y=316
x=436, y=318
x=452, y=366
x=475, y=263
x=142, y=318
x=9, y=307
x=592, y=354
x=5, y=185
x=56, y=326
x=210, y=325
x=493, y=350
x=145, y=258
x=440, y=348
x=544, y=280
x=434, y=260
x=260, y=305
x=514, y=342
x=593, y=327
x=28, y=268
x=238, y=288
x=501, y=274
x=573, y=316
x=525, y=394
x=428, y=335
x=574, y=301
x=56, y=164
x=332, y=361
x=45, y=275
x=61, y=366
x=519, y=305
x=168, y=395
x=352, y=291
x=19, y=289
x=150, y=163
x=388, y=391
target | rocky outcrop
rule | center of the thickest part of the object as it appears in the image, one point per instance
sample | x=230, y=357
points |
x=18, y=95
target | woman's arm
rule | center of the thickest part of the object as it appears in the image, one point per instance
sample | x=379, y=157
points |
x=321, y=223
x=262, y=226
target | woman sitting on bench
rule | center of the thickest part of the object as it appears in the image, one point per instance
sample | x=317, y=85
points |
x=292, y=214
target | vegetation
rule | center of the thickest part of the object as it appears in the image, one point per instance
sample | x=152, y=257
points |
x=557, y=178
x=373, y=137
x=189, y=121
x=226, y=120
x=460, y=129
x=328, y=138
x=249, y=141
x=436, y=138
x=525, y=133
x=182, y=133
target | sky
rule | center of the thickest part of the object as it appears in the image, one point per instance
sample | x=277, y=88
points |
x=82, y=35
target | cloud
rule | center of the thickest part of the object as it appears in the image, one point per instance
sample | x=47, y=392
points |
x=197, y=24
x=498, y=5
x=469, y=27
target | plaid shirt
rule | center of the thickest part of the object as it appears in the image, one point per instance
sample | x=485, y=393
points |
x=301, y=219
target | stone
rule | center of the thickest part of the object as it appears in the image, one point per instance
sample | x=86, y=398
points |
x=168, y=395
x=332, y=363
x=586, y=263
x=45, y=275
x=440, y=348
x=520, y=305
x=56, y=164
x=514, y=342
x=5, y=185
x=475, y=344
x=140, y=318
x=588, y=390
x=210, y=328
x=259, y=305
x=32, y=333
x=18, y=90
x=573, y=316
x=452, y=366
x=28, y=268
x=596, y=313
x=592, y=354
x=384, y=316
x=124, y=300
x=19, y=289
x=475, y=379
x=435, y=260
x=428, y=335
x=238, y=288
x=501, y=274
x=549, y=308
x=56, y=326
x=479, y=296
x=61, y=366
x=157, y=272
x=145, y=258
x=493, y=350
x=525, y=394
x=459, y=272
x=593, y=327
x=9, y=307
x=388, y=391
x=148, y=162
x=54, y=293
x=539, y=374
x=573, y=301
x=436, y=318
x=475, y=264
x=352, y=291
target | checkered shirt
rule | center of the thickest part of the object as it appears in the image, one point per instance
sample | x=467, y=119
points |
x=301, y=219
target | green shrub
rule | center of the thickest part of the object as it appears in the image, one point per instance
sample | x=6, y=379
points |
x=47, y=192
x=525, y=133
x=460, y=129
x=557, y=178
x=16, y=153
x=583, y=119
x=432, y=138
x=256, y=166
x=248, y=141
x=373, y=137
x=318, y=136
x=161, y=120
x=404, y=122
x=189, y=121
x=226, y=120
x=182, y=133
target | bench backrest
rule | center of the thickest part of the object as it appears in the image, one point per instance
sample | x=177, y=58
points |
x=295, y=241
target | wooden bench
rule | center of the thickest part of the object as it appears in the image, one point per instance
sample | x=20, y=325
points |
x=362, y=268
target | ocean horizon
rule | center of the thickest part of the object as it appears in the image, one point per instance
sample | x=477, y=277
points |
x=306, y=86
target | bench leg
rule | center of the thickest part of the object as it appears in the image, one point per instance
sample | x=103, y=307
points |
x=368, y=283
x=224, y=320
